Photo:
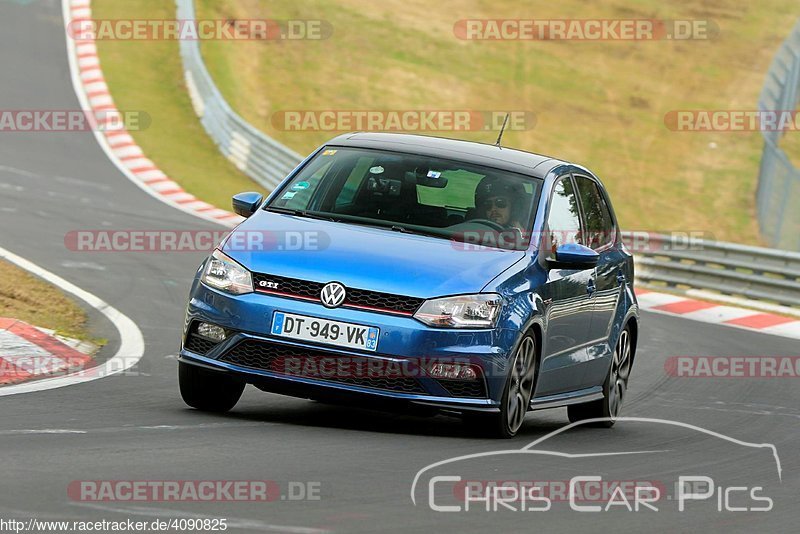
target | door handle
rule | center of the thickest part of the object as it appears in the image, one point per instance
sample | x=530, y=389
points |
x=590, y=287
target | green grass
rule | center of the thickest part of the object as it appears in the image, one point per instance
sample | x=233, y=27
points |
x=148, y=76
x=29, y=299
x=601, y=104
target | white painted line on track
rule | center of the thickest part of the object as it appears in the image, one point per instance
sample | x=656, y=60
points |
x=92, y=71
x=25, y=432
x=131, y=346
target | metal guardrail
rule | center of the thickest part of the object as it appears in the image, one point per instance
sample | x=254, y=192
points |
x=767, y=275
x=778, y=196
x=754, y=273
x=263, y=159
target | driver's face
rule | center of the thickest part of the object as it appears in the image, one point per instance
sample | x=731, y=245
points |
x=498, y=209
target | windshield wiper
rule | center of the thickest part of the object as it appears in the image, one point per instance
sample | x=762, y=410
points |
x=405, y=230
x=301, y=213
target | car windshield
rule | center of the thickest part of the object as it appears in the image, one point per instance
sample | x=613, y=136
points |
x=448, y=199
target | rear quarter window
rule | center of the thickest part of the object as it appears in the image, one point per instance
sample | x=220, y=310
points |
x=599, y=231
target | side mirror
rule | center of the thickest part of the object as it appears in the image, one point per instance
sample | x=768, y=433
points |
x=574, y=256
x=246, y=204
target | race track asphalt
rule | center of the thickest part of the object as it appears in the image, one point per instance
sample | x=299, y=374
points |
x=135, y=427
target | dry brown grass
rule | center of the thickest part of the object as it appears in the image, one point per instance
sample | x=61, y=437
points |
x=29, y=299
x=601, y=104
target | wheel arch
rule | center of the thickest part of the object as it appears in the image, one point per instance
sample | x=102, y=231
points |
x=535, y=327
x=633, y=322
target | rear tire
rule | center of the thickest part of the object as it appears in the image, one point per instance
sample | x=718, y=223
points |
x=208, y=391
x=615, y=388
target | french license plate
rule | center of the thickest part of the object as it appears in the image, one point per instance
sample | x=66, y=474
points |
x=301, y=327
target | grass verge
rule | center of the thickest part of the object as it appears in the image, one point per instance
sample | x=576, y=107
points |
x=148, y=76
x=600, y=103
x=27, y=298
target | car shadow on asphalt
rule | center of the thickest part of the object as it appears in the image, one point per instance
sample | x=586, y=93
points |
x=306, y=413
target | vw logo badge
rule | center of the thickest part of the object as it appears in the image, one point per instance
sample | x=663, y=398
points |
x=332, y=295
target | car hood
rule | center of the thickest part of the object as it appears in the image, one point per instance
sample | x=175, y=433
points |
x=364, y=257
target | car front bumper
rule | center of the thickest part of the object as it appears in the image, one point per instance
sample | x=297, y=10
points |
x=404, y=343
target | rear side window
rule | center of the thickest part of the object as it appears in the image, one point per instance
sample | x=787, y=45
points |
x=563, y=222
x=599, y=231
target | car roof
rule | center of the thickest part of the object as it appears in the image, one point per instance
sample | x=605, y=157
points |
x=484, y=154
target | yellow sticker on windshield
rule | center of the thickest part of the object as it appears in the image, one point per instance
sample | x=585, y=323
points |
x=329, y=153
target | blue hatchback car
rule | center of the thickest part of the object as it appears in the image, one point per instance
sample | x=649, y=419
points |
x=444, y=276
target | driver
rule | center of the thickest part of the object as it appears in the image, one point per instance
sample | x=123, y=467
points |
x=497, y=200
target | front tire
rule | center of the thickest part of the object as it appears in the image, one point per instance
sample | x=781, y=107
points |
x=208, y=391
x=615, y=388
x=517, y=394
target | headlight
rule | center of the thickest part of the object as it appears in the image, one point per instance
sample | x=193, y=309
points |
x=465, y=311
x=224, y=274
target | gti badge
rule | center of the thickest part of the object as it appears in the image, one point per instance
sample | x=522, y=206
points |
x=268, y=285
x=332, y=295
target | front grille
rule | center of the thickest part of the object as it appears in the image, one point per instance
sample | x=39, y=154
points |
x=357, y=298
x=289, y=286
x=464, y=388
x=383, y=301
x=268, y=356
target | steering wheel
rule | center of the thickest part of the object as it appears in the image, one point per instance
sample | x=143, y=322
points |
x=491, y=224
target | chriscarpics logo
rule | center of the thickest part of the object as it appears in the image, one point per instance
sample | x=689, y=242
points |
x=650, y=470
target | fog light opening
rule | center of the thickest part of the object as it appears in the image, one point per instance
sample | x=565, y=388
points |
x=453, y=371
x=211, y=332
